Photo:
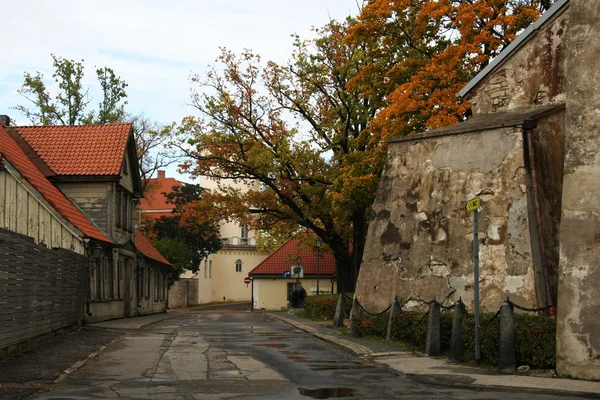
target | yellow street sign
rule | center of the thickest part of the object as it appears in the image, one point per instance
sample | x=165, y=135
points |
x=473, y=204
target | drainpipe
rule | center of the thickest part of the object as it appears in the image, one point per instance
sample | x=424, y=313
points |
x=252, y=295
x=530, y=163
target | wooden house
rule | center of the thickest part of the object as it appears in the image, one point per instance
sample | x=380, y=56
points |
x=96, y=168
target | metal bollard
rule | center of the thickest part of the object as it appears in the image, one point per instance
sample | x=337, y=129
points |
x=507, y=360
x=340, y=312
x=457, y=343
x=395, y=307
x=432, y=347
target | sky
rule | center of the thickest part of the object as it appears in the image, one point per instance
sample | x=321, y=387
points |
x=155, y=46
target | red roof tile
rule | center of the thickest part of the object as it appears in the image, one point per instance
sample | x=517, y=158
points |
x=153, y=197
x=79, y=150
x=145, y=247
x=285, y=257
x=15, y=156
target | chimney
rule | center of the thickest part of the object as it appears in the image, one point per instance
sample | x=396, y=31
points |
x=161, y=174
x=5, y=120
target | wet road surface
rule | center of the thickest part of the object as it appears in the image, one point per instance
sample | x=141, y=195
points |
x=208, y=354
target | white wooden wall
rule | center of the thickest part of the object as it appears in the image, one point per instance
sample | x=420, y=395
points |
x=24, y=210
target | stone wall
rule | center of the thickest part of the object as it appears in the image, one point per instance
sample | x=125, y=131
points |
x=534, y=74
x=183, y=293
x=419, y=245
x=578, y=322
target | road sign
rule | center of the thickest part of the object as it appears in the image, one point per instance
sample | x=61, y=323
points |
x=247, y=280
x=473, y=204
x=287, y=274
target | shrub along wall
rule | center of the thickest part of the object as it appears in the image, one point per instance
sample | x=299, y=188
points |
x=322, y=307
x=535, y=335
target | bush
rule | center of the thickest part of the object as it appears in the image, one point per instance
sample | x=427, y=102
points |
x=536, y=341
x=322, y=307
x=535, y=335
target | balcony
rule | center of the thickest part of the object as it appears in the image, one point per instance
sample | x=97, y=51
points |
x=238, y=242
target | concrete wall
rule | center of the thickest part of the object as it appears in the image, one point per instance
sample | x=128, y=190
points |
x=183, y=293
x=534, y=74
x=420, y=243
x=578, y=322
x=271, y=293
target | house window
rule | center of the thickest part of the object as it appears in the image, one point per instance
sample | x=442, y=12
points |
x=123, y=211
x=125, y=167
x=245, y=231
x=118, y=202
x=156, y=286
x=148, y=279
x=210, y=270
x=140, y=278
x=205, y=269
x=110, y=278
x=238, y=266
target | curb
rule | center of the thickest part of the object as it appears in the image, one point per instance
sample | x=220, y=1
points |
x=350, y=347
x=81, y=363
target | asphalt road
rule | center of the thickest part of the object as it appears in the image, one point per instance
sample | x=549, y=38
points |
x=212, y=354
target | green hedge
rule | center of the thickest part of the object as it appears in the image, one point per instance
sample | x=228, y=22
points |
x=322, y=307
x=535, y=335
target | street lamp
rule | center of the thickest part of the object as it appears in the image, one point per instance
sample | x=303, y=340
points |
x=319, y=243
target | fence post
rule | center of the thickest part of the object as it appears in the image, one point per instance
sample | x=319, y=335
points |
x=395, y=307
x=340, y=312
x=457, y=343
x=432, y=347
x=507, y=362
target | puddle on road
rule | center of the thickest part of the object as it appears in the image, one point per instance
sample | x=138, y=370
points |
x=347, y=367
x=292, y=352
x=327, y=393
x=272, y=345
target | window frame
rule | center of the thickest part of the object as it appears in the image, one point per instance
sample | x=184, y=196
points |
x=238, y=265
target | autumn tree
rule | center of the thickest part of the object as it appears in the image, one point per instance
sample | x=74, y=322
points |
x=299, y=134
x=187, y=236
x=423, y=52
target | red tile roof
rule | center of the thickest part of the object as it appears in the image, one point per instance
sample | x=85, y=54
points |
x=153, y=197
x=145, y=247
x=79, y=150
x=15, y=156
x=285, y=257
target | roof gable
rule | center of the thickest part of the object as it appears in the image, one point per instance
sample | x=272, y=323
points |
x=18, y=159
x=93, y=150
x=285, y=257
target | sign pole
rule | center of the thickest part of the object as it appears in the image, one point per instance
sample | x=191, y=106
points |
x=473, y=205
x=476, y=281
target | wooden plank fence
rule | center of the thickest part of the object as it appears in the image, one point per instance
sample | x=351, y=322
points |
x=41, y=289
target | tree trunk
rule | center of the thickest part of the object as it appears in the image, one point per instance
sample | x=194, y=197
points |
x=345, y=283
x=358, y=246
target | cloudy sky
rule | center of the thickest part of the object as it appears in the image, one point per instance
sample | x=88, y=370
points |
x=153, y=45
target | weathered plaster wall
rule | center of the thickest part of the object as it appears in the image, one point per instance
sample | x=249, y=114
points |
x=420, y=243
x=534, y=74
x=578, y=319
